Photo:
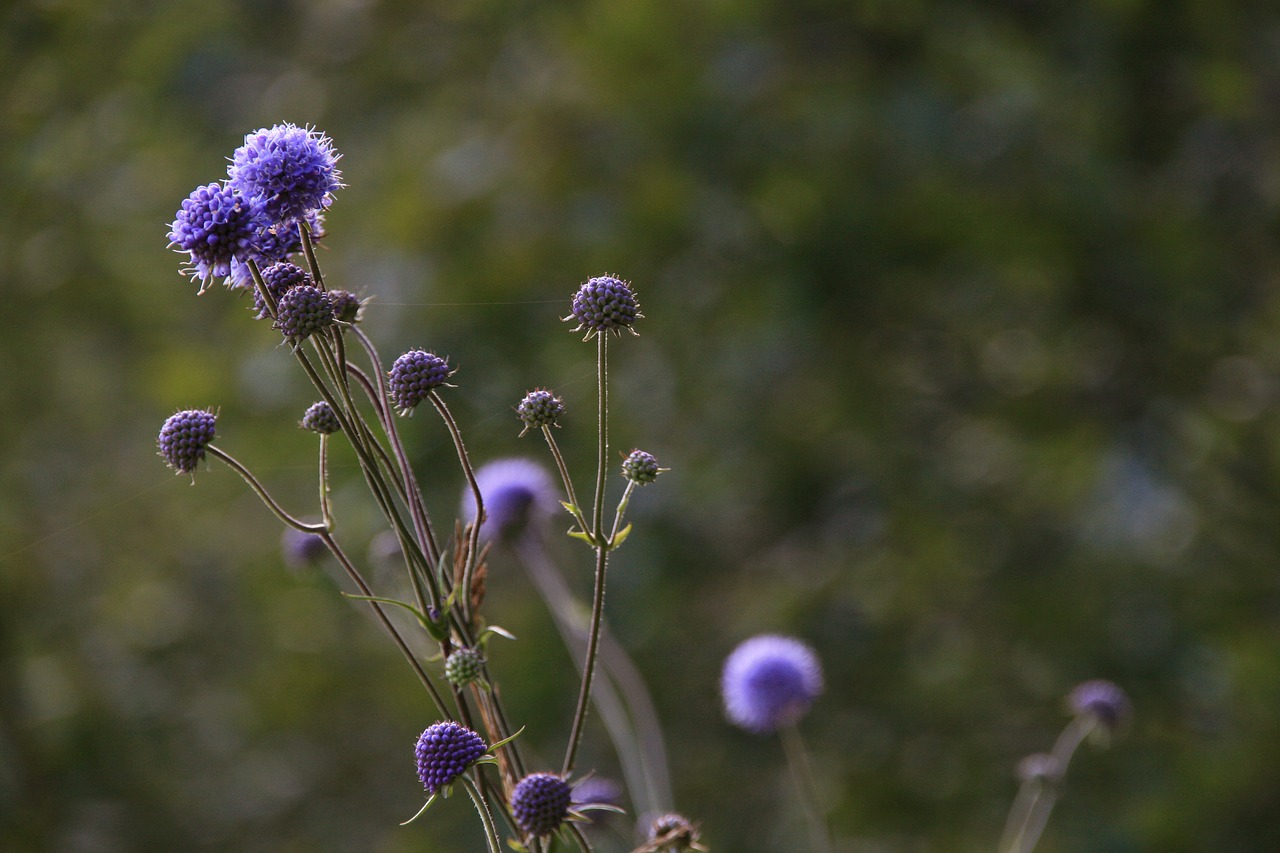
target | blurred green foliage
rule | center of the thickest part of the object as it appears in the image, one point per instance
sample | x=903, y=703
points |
x=960, y=342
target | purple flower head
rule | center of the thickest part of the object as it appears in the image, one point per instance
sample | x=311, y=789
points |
x=540, y=803
x=640, y=467
x=320, y=418
x=279, y=277
x=301, y=549
x=183, y=438
x=605, y=304
x=292, y=170
x=218, y=227
x=415, y=375
x=346, y=305
x=303, y=310
x=1102, y=700
x=770, y=681
x=518, y=495
x=539, y=408
x=444, y=752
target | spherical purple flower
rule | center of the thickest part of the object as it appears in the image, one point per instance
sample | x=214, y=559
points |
x=184, y=437
x=640, y=468
x=320, y=418
x=215, y=226
x=292, y=169
x=444, y=752
x=770, y=681
x=413, y=376
x=279, y=278
x=303, y=310
x=539, y=408
x=301, y=549
x=540, y=803
x=463, y=666
x=518, y=495
x=1103, y=700
x=605, y=304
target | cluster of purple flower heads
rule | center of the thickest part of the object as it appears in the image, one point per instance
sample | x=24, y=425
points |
x=278, y=279
x=413, y=376
x=770, y=681
x=605, y=304
x=184, y=437
x=292, y=170
x=280, y=179
x=444, y=752
x=540, y=803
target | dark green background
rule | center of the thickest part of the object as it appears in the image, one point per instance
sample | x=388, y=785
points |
x=960, y=342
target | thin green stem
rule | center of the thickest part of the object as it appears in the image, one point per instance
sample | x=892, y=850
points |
x=621, y=511
x=602, y=460
x=326, y=513
x=262, y=493
x=309, y=249
x=477, y=798
x=473, y=545
x=580, y=838
x=565, y=478
x=589, y=663
x=1037, y=795
x=802, y=773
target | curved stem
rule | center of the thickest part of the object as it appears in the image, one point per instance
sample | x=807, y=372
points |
x=262, y=493
x=1037, y=796
x=565, y=478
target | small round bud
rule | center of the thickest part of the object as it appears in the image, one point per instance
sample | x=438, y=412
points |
x=346, y=305
x=444, y=752
x=279, y=278
x=319, y=417
x=413, y=376
x=540, y=803
x=184, y=437
x=673, y=832
x=538, y=409
x=640, y=468
x=303, y=310
x=770, y=682
x=463, y=667
x=605, y=304
x=1102, y=700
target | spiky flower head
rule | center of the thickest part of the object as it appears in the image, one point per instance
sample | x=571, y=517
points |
x=770, y=681
x=519, y=495
x=184, y=437
x=640, y=468
x=1104, y=701
x=346, y=305
x=540, y=803
x=300, y=548
x=463, y=666
x=415, y=375
x=303, y=310
x=539, y=408
x=279, y=278
x=292, y=170
x=215, y=226
x=444, y=752
x=674, y=832
x=605, y=304
x=320, y=418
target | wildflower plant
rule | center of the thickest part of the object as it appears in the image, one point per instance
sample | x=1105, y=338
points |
x=257, y=229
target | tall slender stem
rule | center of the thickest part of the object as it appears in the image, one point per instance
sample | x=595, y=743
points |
x=263, y=494
x=802, y=773
x=1037, y=796
x=602, y=461
x=490, y=831
x=473, y=549
x=589, y=663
